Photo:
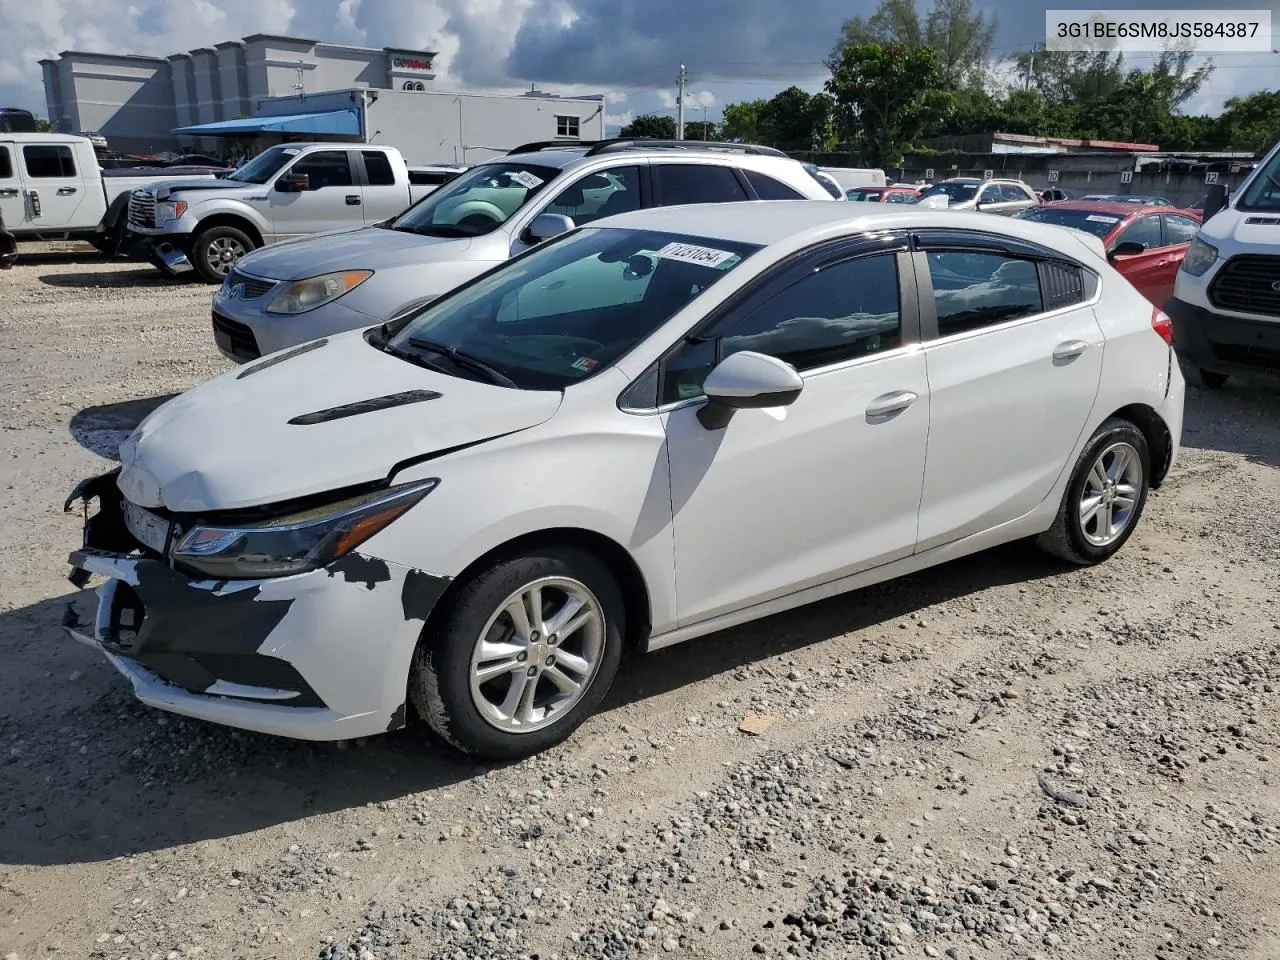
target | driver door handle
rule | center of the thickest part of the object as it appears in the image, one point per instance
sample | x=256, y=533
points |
x=8, y=192
x=1069, y=350
x=888, y=403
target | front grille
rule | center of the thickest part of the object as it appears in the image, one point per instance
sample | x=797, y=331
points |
x=254, y=287
x=142, y=209
x=1259, y=357
x=235, y=337
x=1249, y=284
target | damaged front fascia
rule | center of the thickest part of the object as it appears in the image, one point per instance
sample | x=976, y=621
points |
x=399, y=718
x=357, y=568
x=420, y=593
x=104, y=530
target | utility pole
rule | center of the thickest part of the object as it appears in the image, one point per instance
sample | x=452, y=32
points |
x=704, y=121
x=1031, y=65
x=680, y=82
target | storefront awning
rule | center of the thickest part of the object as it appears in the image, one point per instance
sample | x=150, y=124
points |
x=333, y=123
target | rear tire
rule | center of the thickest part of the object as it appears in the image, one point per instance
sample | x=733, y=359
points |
x=501, y=681
x=1104, y=499
x=1212, y=380
x=215, y=250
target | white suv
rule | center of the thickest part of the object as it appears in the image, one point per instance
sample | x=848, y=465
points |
x=643, y=431
x=288, y=293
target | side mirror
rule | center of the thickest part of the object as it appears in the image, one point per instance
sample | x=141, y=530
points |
x=1217, y=198
x=747, y=381
x=548, y=225
x=1129, y=248
x=293, y=183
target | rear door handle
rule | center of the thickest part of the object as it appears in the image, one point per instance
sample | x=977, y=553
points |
x=889, y=403
x=1069, y=350
x=66, y=191
x=8, y=192
x=353, y=199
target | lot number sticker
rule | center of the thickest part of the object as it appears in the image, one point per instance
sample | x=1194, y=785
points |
x=526, y=179
x=1098, y=218
x=688, y=253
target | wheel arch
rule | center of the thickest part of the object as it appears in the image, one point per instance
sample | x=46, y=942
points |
x=243, y=224
x=635, y=591
x=1156, y=432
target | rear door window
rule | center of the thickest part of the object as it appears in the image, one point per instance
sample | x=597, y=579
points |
x=697, y=183
x=378, y=168
x=48, y=160
x=6, y=164
x=972, y=290
x=767, y=188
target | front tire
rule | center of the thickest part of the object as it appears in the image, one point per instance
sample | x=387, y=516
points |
x=1105, y=497
x=524, y=653
x=215, y=250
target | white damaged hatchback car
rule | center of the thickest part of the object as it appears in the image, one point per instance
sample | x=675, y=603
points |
x=642, y=431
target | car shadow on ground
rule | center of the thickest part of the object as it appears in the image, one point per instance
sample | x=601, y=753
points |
x=89, y=774
x=59, y=258
x=1242, y=416
x=101, y=429
x=143, y=276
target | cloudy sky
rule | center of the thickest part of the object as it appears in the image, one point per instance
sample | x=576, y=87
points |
x=628, y=49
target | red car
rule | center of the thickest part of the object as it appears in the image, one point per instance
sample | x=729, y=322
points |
x=1144, y=243
x=883, y=194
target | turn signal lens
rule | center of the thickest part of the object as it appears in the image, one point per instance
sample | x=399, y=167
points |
x=1162, y=325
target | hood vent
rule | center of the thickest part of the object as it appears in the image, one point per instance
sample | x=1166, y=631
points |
x=1264, y=221
x=282, y=357
x=365, y=406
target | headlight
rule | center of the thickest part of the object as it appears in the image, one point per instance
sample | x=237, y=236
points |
x=304, y=295
x=168, y=210
x=1199, y=258
x=299, y=542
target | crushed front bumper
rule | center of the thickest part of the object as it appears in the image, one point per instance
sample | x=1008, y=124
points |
x=322, y=655
x=166, y=252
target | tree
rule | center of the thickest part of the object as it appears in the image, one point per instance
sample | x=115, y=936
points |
x=741, y=121
x=43, y=125
x=795, y=120
x=1251, y=122
x=654, y=126
x=1072, y=76
x=961, y=36
x=886, y=96
x=698, y=130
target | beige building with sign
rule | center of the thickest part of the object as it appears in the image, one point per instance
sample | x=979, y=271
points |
x=139, y=102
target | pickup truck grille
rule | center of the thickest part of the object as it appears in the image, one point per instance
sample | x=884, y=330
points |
x=253, y=286
x=1249, y=284
x=142, y=209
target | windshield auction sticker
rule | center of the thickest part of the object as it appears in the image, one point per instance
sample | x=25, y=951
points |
x=689, y=253
x=1152, y=31
x=526, y=179
x=1099, y=218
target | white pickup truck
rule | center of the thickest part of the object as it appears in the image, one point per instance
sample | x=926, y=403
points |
x=51, y=188
x=287, y=191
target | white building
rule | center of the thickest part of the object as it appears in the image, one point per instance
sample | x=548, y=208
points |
x=269, y=88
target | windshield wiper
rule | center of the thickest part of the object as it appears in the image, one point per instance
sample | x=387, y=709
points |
x=474, y=364
x=384, y=345
x=443, y=230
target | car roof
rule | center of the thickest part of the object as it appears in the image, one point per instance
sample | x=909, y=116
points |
x=1100, y=206
x=562, y=156
x=765, y=222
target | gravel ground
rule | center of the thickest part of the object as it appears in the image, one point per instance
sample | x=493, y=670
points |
x=996, y=758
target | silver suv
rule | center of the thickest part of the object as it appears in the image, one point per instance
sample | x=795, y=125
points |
x=290, y=293
x=1004, y=197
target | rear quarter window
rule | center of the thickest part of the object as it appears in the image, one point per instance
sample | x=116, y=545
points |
x=767, y=188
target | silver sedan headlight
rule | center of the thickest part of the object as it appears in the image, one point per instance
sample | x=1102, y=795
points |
x=303, y=295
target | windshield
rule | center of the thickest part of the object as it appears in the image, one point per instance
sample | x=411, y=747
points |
x=566, y=310
x=1099, y=224
x=264, y=166
x=476, y=202
x=955, y=192
x=1263, y=192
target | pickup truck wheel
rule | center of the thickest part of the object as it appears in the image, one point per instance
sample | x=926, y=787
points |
x=213, y=251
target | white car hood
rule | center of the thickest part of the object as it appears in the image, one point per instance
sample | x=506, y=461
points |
x=1234, y=226
x=228, y=443
x=369, y=248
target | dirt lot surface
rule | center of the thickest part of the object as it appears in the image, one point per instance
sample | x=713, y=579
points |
x=1001, y=757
